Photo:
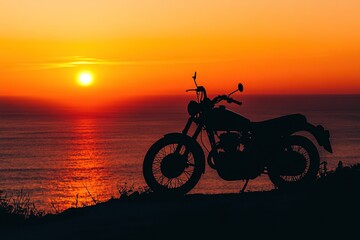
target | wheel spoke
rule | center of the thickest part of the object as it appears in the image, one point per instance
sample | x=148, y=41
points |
x=182, y=150
x=168, y=183
x=174, y=183
x=188, y=175
x=157, y=161
x=179, y=180
x=162, y=153
x=300, y=150
x=163, y=170
x=161, y=179
x=156, y=170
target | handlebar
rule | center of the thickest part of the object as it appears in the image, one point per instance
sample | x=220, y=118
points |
x=198, y=89
x=231, y=100
x=228, y=99
x=216, y=99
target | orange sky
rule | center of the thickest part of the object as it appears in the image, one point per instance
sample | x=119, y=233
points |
x=150, y=47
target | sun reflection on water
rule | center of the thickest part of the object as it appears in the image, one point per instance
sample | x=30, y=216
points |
x=80, y=182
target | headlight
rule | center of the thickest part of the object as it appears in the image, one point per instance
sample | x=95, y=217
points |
x=193, y=108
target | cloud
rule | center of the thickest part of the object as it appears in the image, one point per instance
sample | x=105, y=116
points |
x=66, y=62
x=77, y=61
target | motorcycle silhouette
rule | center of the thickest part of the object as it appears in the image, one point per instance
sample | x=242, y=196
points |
x=240, y=149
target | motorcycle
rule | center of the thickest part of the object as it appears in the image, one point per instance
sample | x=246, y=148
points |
x=240, y=149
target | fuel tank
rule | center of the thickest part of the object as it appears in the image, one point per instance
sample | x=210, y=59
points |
x=222, y=119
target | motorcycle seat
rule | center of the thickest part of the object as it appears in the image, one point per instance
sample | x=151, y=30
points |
x=281, y=122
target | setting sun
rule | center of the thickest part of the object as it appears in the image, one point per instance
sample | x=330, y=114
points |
x=85, y=79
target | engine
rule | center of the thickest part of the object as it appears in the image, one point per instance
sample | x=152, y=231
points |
x=233, y=158
x=230, y=141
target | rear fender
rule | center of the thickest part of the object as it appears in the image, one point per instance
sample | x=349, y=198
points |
x=193, y=142
x=321, y=135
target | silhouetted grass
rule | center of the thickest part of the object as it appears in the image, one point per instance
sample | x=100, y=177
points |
x=342, y=179
x=126, y=191
x=17, y=208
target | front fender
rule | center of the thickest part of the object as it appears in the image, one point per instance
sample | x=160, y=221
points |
x=193, y=142
x=321, y=135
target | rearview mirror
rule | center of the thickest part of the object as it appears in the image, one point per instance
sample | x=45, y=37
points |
x=240, y=87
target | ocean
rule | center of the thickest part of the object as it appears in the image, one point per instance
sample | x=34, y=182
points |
x=64, y=159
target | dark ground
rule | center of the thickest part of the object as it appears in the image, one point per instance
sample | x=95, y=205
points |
x=328, y=210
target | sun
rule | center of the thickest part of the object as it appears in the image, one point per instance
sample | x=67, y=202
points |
x=85, y=79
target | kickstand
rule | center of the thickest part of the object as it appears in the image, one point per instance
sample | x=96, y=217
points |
x=243, y=188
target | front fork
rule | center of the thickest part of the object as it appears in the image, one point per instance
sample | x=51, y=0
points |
x=188, y=125
x=185, y=132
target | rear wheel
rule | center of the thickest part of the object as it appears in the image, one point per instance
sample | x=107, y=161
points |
x=297, y=165
x=172, y=165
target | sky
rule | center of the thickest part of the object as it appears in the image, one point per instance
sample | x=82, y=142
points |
x=150, y=47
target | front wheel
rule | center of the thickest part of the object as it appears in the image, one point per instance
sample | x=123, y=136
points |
x=296, y=165
x=172, y=165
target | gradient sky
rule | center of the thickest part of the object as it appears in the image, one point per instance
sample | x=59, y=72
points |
x=151, y=47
